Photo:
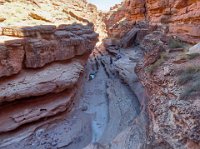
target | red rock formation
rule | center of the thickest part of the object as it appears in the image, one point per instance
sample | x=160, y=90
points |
x=182, y=17
x=173, y=108
x=173, y=112
x=41, y=62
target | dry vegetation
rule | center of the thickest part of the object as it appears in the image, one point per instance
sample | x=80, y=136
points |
x=189, y=78
x=151, y=68
x=175, y=43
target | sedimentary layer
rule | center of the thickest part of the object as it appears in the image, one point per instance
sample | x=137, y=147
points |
x=181, y=17
x=40, y=67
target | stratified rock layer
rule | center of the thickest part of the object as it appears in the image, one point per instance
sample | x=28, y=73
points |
x=42, y=45
x=34, y=109
x=182, y=17
x=51, y=79
x=40, y=68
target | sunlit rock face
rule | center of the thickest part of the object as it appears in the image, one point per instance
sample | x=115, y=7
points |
x=181, y=17
x=51, y=12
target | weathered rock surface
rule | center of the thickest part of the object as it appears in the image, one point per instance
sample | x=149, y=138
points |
x=40, y=68
x=170, y=78
x=51, y=79
x=34, y=109
x=195, y=49
x=181, y=17
x=11, y=57
x=173, y=110
x=42, y=45
x=128, y=130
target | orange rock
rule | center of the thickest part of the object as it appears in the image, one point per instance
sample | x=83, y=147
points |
x=182, y=17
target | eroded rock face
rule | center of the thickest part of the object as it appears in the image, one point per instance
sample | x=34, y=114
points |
x=40, y=68
x=173, y=110
x=170, y=78
x=181, y=17
x=51, y=79
x=11, y=56
x=42, y=45
x=34, y=109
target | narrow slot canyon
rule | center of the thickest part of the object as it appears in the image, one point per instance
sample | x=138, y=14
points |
x=73, y=76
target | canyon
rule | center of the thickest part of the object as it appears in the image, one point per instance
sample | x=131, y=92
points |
x=74, y=77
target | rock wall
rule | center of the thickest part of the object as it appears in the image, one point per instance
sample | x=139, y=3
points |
x=172, y=109
x=181, y=17
x=40, y=67
x=167, y=71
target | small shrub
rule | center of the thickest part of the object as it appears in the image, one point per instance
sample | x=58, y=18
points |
x=191, y=76
x=187, y=57
x=175, y=43
x=159, y=62
x=192, y=90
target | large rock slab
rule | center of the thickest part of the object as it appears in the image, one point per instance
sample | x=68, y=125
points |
x=52, y=79
x=40, y=52
x=34, y=109
x=195, y=49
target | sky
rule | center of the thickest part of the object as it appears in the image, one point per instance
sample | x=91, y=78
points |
x=104, y=4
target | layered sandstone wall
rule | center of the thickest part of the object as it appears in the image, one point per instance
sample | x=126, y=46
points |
x=40, y=67
x=181, y=17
